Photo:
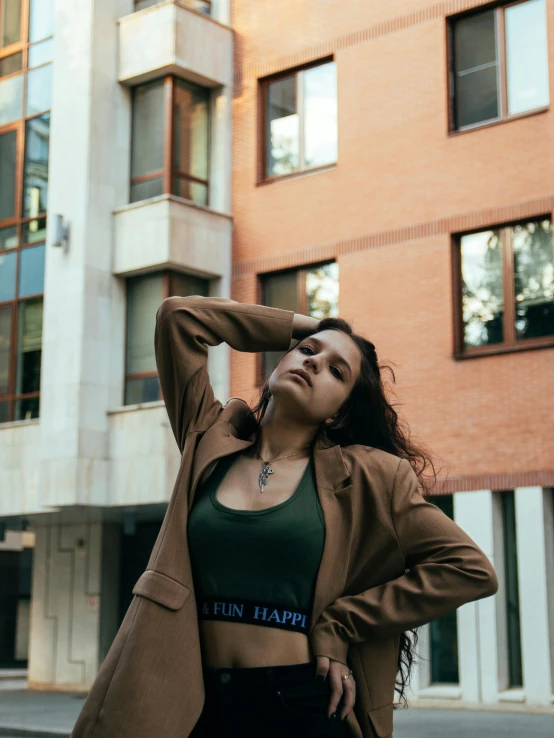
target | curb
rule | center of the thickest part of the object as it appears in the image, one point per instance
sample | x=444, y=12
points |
x=14, y=732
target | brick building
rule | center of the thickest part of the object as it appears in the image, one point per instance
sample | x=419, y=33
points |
x=388, y=162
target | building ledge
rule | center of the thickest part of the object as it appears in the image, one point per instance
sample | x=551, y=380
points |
x=170, y=38
x=168, y=232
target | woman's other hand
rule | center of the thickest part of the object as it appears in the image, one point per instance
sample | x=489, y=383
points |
x=333, y=671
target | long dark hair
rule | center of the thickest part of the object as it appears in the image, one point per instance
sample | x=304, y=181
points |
x=368, y=418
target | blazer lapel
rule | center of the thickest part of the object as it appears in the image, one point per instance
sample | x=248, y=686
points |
x=232, y=432
x=334, y=489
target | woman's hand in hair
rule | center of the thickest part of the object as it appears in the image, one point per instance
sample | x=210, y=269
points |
x=303, y=325
x=333, y=672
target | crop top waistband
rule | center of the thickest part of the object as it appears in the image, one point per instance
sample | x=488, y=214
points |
x=254, y=612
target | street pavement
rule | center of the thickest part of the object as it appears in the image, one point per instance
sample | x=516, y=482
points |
x=425, y=723
x=52, y=715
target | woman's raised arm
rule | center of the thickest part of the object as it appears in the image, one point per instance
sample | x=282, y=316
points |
x=185, y=327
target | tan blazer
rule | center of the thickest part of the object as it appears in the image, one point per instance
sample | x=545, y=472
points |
x=391, y=560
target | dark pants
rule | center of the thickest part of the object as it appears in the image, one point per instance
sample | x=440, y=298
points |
x=268, y=702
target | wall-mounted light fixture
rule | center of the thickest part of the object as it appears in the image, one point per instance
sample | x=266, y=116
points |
x=61, y=233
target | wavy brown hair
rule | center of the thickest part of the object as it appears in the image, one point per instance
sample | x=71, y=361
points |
x=367, y=418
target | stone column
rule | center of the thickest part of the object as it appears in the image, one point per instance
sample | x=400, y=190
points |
x=481, y=624
x=534, y=531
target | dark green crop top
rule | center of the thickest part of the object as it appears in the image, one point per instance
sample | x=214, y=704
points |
x=258, y=567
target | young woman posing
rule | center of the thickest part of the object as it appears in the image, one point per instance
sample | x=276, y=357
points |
x=300, y=531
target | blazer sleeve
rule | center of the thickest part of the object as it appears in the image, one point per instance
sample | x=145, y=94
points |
x=444, y=569
x=185, y=328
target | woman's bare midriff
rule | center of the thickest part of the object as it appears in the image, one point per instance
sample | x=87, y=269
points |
x=244, y=645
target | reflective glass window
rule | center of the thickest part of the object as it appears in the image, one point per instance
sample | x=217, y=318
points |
x=10, y=22
x=320, y=115
x=29, y=346
x=527, y=56
x=33, y=230
x=8, y=238
x=11, y=64
x=41, y=19
x=35, y=182
x=39, y=90
x=31, y=271
x=5, y=347
x=283, y=131
x=482, y=288
x=534, y=279
x=41, y=53
x=144, y=296
x=11, y=99
x=8, y=158
x=8, y=267
x=301, y=114
x=147, y=151
x=190, y=141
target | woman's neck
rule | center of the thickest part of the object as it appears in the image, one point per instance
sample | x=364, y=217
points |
x=281, y=436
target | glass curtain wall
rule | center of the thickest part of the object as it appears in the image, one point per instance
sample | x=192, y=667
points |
x=26, y=42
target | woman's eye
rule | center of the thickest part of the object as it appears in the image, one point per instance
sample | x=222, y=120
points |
x=338, y=374
x=302, y=348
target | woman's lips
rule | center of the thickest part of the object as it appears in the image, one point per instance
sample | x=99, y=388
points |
x=300, y=378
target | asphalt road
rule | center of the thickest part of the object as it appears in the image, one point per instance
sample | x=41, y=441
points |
x=421, y=723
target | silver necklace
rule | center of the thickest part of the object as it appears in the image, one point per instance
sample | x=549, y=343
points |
x=267, y=469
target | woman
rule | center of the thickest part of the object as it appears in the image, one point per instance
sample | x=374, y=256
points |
x=302, y=533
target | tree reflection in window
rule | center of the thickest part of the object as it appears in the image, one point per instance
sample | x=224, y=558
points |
x=322, y=291
x=533, y=279
x=482, y=294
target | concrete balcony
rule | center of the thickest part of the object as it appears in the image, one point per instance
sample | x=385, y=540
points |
x=144, y=458
x=171, y=39
x=167, y=232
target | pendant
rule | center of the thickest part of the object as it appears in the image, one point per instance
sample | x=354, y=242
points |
x=266, y=470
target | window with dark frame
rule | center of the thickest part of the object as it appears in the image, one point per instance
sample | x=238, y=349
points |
x=311, y=290
x=26, y=41
x=511, y=589
x=299, y=120
x=443, y=632
x=203, y=6
x=504, y=288
x=170, y=140
x=144, y=296
x=499, y=63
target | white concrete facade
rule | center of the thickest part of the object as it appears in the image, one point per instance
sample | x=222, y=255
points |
x=88, y=463
x=481, y=626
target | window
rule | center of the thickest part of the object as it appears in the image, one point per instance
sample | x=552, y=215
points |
x=300, y=120
x=311, y=291
x=512, y=589
x=444, y=631
x=170, y=140
x=499, y=63
x=26, y=29
x=204, y=6
x=144, y=296
x=504, y=290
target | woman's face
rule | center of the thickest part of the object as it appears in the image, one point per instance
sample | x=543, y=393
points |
x=330, y=362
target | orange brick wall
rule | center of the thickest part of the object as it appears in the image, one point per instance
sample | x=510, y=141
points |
x=385, y=212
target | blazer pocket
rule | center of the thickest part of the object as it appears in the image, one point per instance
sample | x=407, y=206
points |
x=381, y=721
x=161, y=589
